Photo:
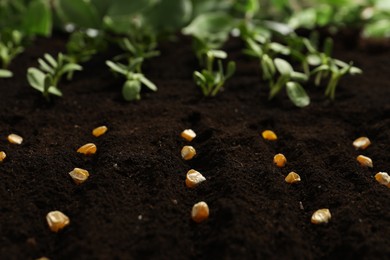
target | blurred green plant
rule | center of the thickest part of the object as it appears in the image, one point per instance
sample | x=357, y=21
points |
x=47, y=77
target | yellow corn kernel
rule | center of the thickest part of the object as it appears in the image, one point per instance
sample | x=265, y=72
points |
x=188, y=134
x=15, y=139
x=57, y=220
x=321, y=216
x=280, y=160
x=79, y=175
x=200, y=212
x=87, y=149
x=269, y=135
x=2, y=156
x=194, y=178
x=98, y=131
x=188, y=152
x=292, y=177
x=364, y=161
x=383, y=178
x=361, y=143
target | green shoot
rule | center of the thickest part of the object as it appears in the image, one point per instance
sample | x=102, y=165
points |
x=46, y=78
x=139, y=44
x=131, y=89
x=81, y=47
x=10, y=47
x=209, y=80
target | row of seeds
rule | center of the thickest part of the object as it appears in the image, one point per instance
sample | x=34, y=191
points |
x=361, y=144
x=56, y=219
x=322, y=216
x=200, y=211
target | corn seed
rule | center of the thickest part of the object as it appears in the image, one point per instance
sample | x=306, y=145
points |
x=79, y=175
x=364, y=161
x=292, y=177
x=188, y=152
x=188, y=134
x=280, y=160
x=15, y=139
x=361, y=143
x=2, y=156
x=383, y=178
x=57, y=220
x=194, y=178
x=98, y=131
x=87, y=149
x=321, y=216
x=269, y=135
x=200, y=212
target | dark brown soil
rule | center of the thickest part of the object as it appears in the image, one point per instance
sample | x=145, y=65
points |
x=135, y=204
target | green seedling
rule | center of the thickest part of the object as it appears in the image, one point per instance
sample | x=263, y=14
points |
x=131, y=89
x=10, y=47
x=336, y=69
x=137, y=50
x=46, y=78
x=209, y=80
x=81, y=47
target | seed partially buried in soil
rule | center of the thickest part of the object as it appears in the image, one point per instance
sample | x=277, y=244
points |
x=188, y=152
x=194, y=178
x=383, y=178
x=57, y=220
x=200, y=212
x=269, y=135
x=88, y=149
x=280, y=160
x=293, y=177
x=15, y=139
x=2, y=156
x=364, y=161
x=321, y=216
x=188, y=135
x=100, y=130
x=361, y=143
x=79, y=175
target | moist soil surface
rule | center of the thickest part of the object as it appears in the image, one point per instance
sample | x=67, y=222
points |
x=135, y=205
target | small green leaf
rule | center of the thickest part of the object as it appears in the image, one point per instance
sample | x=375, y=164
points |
x=217, y=54
x=70, y=67
x=299, y=76
x=55, y=91
x=131, y=90
x=36, y=79
x=283, y=67
x=313, y=59
x=116, y=67
x=279, y=48
x=323, y=67
x=148, y=83
x=50, y=60
x=45, y=67
x=297, y=94
x=5, y=73
x=355, y=70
